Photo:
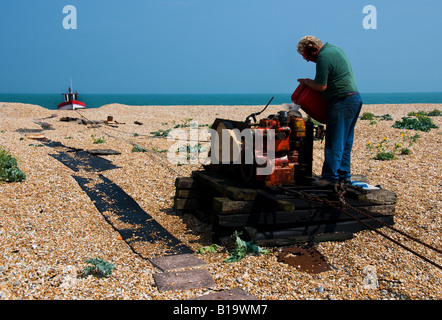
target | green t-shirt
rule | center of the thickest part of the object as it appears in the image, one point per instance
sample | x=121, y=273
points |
x=334, y=69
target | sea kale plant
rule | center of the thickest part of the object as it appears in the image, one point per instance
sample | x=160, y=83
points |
x=418, y=122
x=99, y=268
x=9, y=171
x=242, y=248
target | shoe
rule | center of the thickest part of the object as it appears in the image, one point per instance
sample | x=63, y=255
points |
x=324, y=183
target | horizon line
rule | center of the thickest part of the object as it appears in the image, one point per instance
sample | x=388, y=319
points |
x=260, y=93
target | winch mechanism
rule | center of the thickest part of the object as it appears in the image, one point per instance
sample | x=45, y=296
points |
x=276, y=150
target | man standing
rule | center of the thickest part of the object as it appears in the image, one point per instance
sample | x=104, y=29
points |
x=336, y=82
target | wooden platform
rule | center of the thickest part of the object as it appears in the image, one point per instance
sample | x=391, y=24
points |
x=272, y=216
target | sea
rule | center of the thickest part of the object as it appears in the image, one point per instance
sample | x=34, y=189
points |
x=50, y=101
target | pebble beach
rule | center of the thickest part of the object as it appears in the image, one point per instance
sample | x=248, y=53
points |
x=49, y=226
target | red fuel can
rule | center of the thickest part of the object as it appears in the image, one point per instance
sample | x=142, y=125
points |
x=312, y=102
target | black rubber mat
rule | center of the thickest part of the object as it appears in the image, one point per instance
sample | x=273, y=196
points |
x=110, y=199
x=83, y=160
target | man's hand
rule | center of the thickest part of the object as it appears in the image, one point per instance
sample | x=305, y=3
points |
x=302, y=83
x=312, y=84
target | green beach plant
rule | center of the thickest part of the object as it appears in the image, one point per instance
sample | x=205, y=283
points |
x=241, y=248
x=434, y=113
x=367, y=116
x=191, y=151
x=186, y=123
x=386, y=117
x=418, y=122
x=213, y=248
x=96, y=140
x=161, y=133
x=98, y=268
x=138, y=148
x=372, y=117
x=159, y=150
x=9, y=171
x=385, y=151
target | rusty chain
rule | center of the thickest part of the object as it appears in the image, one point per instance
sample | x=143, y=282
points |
x=341, y=205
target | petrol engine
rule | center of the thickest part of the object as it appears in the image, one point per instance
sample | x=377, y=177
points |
x=276, y=150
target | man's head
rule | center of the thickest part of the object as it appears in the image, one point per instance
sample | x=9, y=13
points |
x=309, y=47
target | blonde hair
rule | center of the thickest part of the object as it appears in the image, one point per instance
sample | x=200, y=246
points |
x=308, y=42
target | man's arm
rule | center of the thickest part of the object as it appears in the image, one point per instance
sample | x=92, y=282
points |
x=312, y=84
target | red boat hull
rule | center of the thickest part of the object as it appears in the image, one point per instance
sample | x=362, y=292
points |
x=71, y=105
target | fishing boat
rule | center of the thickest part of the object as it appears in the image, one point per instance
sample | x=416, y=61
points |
x=71, y=102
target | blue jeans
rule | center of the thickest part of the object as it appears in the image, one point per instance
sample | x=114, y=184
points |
x=341, y=121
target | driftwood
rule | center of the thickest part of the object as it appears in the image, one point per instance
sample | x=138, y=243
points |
x=35, y=136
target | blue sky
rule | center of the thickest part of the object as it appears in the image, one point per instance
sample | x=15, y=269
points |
x=213, y=46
